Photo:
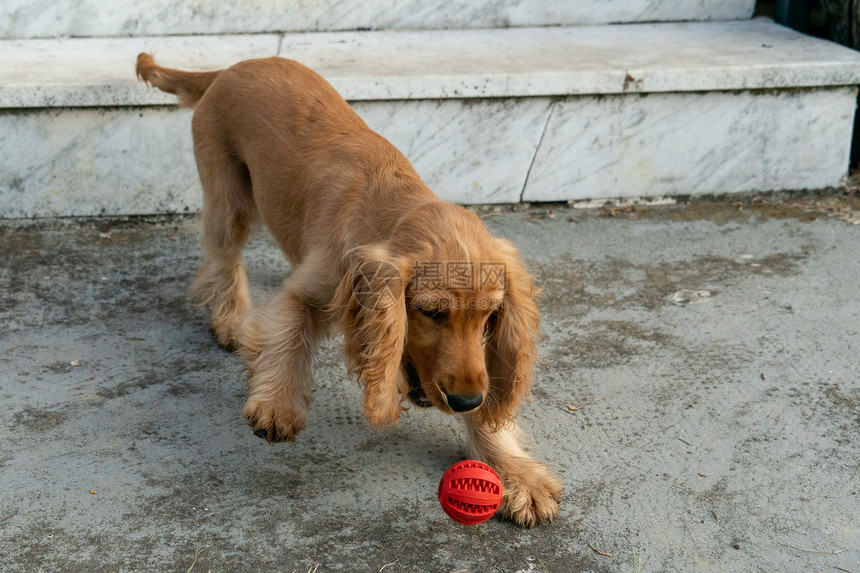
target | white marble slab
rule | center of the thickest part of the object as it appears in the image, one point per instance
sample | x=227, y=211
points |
x=521, y=62
x=466, y=151
x=756, y=54
x=101, y=72
x=135, y=161
x=83, y=18
x=687, y=144
x=94, y=162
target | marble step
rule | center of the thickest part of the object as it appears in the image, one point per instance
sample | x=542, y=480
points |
x=92, y=18
x=486, y=116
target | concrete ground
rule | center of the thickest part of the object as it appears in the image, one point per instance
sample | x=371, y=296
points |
x=710, y=349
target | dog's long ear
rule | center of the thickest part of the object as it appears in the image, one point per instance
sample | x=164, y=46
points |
x=511, y=347
x=370, y=307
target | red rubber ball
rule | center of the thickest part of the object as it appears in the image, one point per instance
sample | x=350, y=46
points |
x=470, y=492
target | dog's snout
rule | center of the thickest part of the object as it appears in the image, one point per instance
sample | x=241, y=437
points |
x=464, y=402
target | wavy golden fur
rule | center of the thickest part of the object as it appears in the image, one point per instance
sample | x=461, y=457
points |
x=431, y=306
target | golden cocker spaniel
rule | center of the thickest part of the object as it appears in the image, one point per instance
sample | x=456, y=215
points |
x=431, y=306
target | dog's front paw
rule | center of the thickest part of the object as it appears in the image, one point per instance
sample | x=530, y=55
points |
x=531, y=499
x=382, y=409
x=274, y=422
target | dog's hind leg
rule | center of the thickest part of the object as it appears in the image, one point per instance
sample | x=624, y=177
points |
x=228, y=212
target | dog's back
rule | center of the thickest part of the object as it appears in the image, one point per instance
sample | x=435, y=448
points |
x=309, y=162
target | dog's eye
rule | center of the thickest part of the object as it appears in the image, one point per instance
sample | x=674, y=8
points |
x=435, y=315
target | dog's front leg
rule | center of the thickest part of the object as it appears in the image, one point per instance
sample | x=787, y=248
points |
x=530, y=491
x=279, y=341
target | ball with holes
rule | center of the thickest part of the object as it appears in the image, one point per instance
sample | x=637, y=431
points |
x=470, y=492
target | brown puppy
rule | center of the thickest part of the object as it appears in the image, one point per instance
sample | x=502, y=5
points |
x=431, y=306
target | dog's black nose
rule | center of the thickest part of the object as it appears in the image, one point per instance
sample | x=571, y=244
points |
x=464, y=402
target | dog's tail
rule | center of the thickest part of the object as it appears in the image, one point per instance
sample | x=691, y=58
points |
x=188, y=86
